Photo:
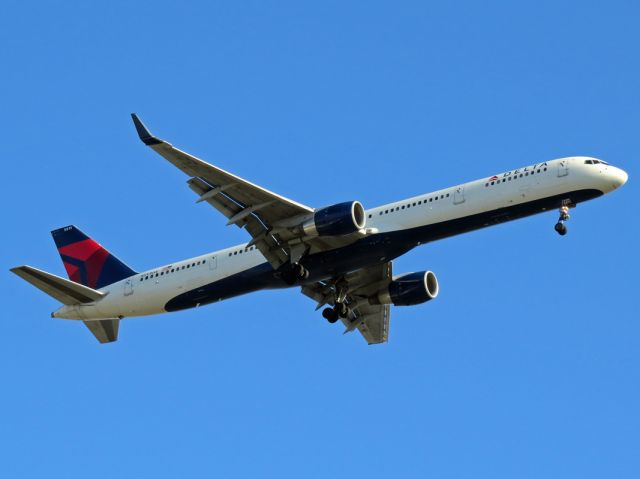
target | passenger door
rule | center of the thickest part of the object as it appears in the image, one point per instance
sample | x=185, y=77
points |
x=458, y=195
x=128, y=287
x=563, y=168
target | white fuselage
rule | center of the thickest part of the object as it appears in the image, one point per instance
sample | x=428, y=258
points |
x=147, y=293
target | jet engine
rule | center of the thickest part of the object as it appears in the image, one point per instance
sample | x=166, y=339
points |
x=409, y=289
x=336, y=220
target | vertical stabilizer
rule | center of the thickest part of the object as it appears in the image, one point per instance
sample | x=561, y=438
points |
x=86, y=261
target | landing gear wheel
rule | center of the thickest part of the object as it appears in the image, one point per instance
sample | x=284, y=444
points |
x=330, y=315
x=561, y=228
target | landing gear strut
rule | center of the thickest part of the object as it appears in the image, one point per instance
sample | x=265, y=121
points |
x=295, y=274
x=560, y=227
x=341, y=310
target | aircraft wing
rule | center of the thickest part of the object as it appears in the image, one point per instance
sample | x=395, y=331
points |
x=372, y=320
x=245, y=204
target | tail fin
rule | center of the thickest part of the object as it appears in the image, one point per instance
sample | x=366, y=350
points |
x=86, y=261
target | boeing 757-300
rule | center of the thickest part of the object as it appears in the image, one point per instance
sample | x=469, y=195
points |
x=340, y=255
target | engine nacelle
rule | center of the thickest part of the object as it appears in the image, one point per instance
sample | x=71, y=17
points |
x=336, y=220
x=409, y=289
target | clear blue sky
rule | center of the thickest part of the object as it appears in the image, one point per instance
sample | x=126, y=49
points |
x=527, y=365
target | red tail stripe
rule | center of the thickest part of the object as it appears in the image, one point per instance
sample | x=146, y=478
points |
x=81, y=250
x=72, y=269
x=94, y=266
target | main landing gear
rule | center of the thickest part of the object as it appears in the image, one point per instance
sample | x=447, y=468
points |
x=295, y=274
x=340, y=310
x=560, y=227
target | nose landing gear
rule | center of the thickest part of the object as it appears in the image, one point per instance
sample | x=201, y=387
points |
x=560, y=227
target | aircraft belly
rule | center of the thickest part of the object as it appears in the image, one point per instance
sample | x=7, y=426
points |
x=370, y=250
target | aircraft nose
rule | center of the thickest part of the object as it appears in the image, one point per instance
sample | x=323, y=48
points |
x=618, y=177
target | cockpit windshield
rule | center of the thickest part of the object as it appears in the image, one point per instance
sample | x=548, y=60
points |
x=595, y=162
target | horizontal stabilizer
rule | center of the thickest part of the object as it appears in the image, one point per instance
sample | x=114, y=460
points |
x=105, y=330
x=64, y=290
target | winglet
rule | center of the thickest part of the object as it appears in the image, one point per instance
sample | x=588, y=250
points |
x=144, y=134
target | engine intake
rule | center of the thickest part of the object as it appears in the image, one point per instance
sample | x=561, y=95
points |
x=409, y=289
x=336, y=220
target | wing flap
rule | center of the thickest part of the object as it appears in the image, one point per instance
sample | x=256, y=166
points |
x=374, y=324
x=372, y=320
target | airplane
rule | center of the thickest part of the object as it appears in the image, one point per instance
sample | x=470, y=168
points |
x=340, y=255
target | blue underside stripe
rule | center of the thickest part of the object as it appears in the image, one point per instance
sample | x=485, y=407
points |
x=368, y=251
